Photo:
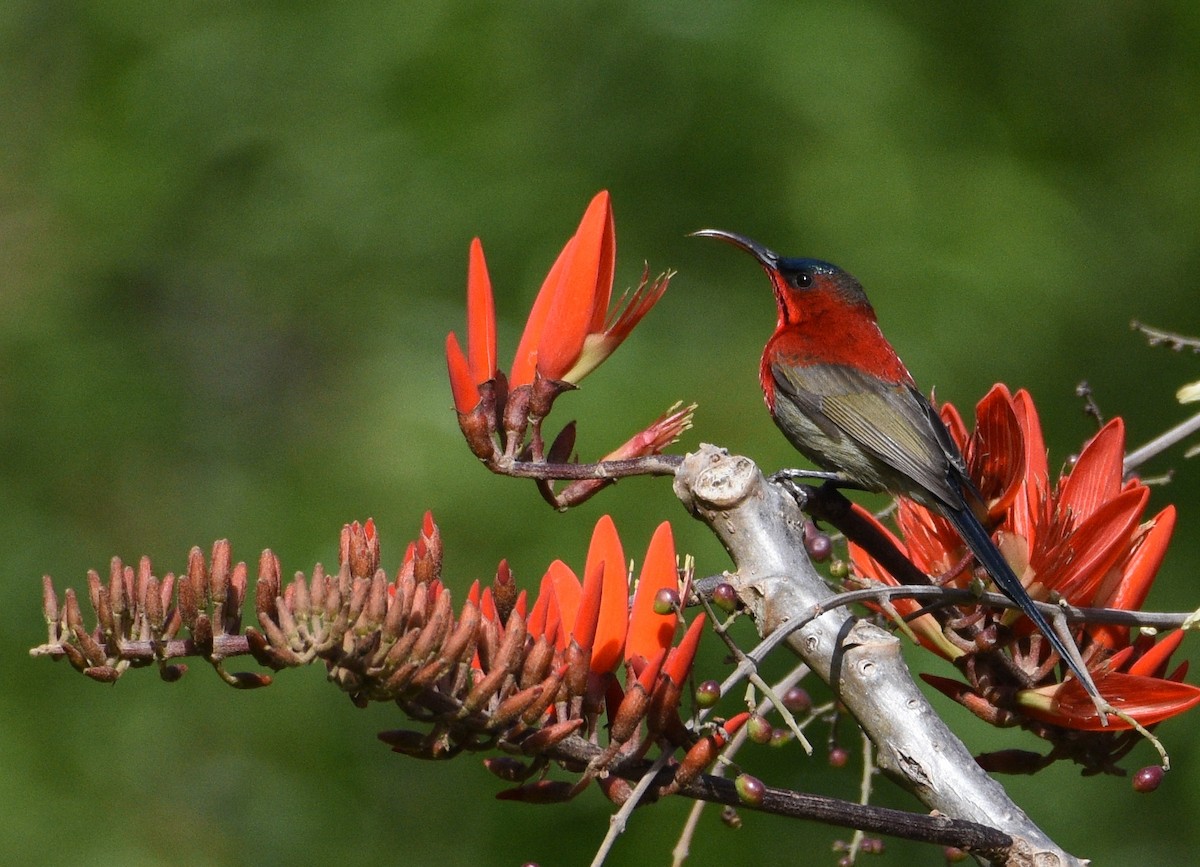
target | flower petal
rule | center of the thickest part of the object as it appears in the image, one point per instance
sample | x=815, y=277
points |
x=599, y=345
x=462, y=383
x=649, y=631
x=566, y=592
x=1136, y=576
x=525, y=362
x=1036, y=466
x=481, y=317
x=1154, y=661
x=580, y=297
x=1096, y=477
x=1094, y=547
x=1148, y=700
x=605, y=553
x=995, y=452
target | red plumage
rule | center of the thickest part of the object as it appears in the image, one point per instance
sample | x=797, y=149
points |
x=842, y=396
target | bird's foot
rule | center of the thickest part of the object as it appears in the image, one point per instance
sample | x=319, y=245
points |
x=839, y=480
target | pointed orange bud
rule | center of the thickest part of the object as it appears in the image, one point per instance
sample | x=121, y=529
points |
x=606, y=555
x=487, y=605
x=462, y=384
x=650, y=632
x=481, y=317
x=566, y=594
x=587, y=615
x=679, y=664
x=539, y=614
x=704, y=752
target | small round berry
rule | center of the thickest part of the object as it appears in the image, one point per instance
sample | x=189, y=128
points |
x=839, y=757
x=817, y=543
x=666, y=601
x=781, y=737
x=759, y=729
x=750, y=789
x=839, y=569
x=797, y=700
x=954, y=855
x=725, y=597
x=708, y=693
x=1147, y=779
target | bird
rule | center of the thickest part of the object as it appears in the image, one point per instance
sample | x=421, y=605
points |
x=839, y=392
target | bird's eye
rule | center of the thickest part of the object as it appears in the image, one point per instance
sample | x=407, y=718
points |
x=802, y=279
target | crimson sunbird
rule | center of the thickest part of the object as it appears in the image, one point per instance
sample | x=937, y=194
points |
x=842, y=396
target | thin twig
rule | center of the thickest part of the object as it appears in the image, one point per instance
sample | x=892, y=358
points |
x=748, y=669
x=1158, y=336
x=954, y=596
x=864, y=791
x=619, y=819
x=651, y=465
x=936, y=829
x=1161, y=443
x=764, y=706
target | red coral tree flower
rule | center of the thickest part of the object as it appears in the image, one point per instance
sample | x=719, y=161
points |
x=1082, y=540
x=570, y=331
x=589, y=628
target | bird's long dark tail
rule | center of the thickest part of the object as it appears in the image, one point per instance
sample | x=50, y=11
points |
x=980, y=542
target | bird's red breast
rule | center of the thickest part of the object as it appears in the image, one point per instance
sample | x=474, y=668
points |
x=823, y=327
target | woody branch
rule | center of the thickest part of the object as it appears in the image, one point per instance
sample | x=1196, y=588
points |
x=761, y=528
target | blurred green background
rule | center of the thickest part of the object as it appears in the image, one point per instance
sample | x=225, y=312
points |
x=234, y=237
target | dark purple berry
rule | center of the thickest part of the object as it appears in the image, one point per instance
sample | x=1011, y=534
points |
x=1148, y=779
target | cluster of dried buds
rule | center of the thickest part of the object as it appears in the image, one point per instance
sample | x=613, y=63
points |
x=1082, y=540
x=569, y=333
x=141, y=619
x=536, y=679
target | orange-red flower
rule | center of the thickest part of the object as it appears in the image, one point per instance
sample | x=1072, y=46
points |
x=593, y=626
x=1082, y=540
x=570, y=330
x=469, y=372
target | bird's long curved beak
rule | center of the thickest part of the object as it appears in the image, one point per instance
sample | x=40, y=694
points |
x=768, y=258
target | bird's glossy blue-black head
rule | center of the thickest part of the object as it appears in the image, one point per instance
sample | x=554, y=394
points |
x=794, y=274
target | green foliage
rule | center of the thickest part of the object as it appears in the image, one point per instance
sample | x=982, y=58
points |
x=234, y=236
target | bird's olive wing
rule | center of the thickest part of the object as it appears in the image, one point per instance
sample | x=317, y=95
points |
x=892, y=422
